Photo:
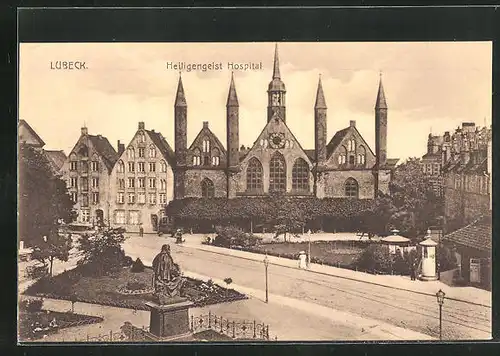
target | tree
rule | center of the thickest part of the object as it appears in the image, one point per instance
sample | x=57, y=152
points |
x=416, y=205
x=43, y=198
x=102, y=253
x=52, y=247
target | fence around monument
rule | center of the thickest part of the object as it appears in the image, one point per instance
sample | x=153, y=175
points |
x=242, y=330
x=237, y=330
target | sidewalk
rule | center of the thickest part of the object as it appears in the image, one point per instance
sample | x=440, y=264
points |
x=465, y=294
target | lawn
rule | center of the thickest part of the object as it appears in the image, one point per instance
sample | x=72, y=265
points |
x=108, y=290
x=33, y=325
x=333, y=253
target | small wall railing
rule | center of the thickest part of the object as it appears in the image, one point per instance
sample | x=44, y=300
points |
x=238, y=330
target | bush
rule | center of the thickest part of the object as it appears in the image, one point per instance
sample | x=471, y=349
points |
x=102, y=251
x=136, y=285
x=128, y=261
x=446, y=258
x=401, y=263
x=36, y=272
x=376, y=258
x=138, y=266
x=229, y=236
x=31, y=305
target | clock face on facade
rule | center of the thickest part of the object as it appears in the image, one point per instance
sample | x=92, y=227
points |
x=277, y=140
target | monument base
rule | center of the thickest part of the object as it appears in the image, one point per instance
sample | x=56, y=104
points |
x=428, y=278
x=169, y=321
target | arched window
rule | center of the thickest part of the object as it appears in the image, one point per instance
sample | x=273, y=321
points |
x=215, y=157
x=163, y=166
x=351, y=145
x=254, y=175
x=342, y=159
x=207, y=188
x=163, y=184
x=121, y=167
x=142, y=137
x=196, y=157
x=351, y=188
x=300, y=175
x=130, y=153
x=152, y=151
x=277, y=173
x=206, y=145
x=361, y=157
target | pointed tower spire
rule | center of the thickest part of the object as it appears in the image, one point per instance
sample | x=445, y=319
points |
x=381, y=103
x=276, y=68
x=232, y=97
x=320, y=97
x=180, y=98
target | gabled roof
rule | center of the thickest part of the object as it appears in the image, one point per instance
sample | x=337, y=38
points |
x=33, y=132
x=205, y=130
x=105, y=150
x=56, y=159
x=162, y=145
x=477, y=235
x=335, y=141
x=339, y=136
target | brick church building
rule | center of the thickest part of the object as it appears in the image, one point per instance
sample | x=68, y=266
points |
x=344, y=166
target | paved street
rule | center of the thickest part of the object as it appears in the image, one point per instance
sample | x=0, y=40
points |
x=401, y=308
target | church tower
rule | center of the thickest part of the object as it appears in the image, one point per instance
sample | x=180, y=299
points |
x=276, y=92
x=180, y=115
x=380, y=133
x=233, y=138
x=320, y=125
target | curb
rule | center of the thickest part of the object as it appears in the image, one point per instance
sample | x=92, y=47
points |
x=343, y=277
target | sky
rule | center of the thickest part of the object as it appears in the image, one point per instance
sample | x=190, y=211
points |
x=429, y=87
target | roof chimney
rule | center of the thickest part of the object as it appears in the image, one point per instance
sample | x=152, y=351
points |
x=121, y=148
x=85, y=131
x=141, y=125
x=205, y=124
x=352, y=123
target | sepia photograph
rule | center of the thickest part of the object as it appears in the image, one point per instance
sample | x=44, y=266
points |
x=254, y=192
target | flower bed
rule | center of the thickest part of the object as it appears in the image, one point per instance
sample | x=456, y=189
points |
x=340, y=254
x=109, y=290
x=34, y=325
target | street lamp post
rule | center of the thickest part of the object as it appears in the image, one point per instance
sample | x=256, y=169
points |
x=440, y=299
x=309, y=249
x=266, y=264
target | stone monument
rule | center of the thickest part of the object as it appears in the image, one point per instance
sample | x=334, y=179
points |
x=169, y=317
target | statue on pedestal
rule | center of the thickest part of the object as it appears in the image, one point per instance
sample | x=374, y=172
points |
x=167, y=279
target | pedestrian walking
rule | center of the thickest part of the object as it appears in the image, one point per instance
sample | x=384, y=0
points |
x=141, y=231
x=413, y=271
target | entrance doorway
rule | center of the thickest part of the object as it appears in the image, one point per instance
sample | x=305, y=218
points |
x=99, y=216
x=154, y=222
